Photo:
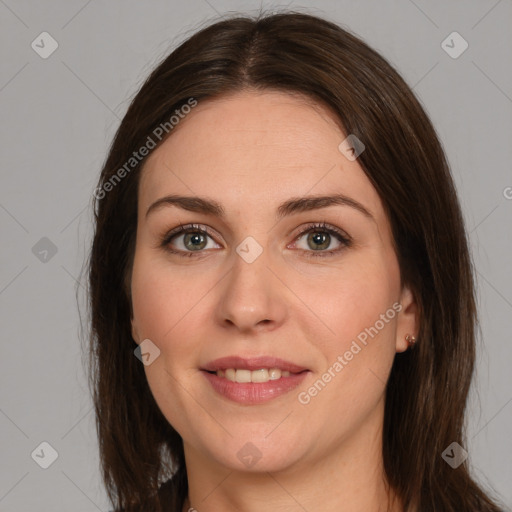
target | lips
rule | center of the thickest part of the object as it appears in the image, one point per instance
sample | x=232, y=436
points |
x=253, y=363
x=286, y=376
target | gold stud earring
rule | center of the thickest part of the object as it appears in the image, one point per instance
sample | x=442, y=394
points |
x=411, y=340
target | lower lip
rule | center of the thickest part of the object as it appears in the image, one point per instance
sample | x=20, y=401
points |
x=252, y=393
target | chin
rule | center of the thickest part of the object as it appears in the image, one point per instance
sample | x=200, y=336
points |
x=257, y=454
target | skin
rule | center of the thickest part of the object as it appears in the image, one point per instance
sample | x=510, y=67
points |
x=251, y=151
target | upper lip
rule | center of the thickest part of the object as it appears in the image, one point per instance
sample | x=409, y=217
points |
x=252, y=363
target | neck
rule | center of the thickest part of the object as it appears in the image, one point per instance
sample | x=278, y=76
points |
x=350, y=477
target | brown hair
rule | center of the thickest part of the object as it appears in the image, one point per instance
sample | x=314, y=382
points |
x=428, y=387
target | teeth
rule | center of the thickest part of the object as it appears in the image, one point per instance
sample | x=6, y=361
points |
x=274, y=374
x=244, y=376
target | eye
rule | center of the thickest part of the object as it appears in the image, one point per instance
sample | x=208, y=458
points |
x=191, y=239
x=320, y=237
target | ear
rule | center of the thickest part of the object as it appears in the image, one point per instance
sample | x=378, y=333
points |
x=408, y=319
x=135, y=332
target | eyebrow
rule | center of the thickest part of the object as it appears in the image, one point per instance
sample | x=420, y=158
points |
x=289, y=207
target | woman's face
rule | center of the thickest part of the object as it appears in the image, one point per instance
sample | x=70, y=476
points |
x=248, y=284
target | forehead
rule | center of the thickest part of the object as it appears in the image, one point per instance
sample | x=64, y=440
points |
x=251, y=149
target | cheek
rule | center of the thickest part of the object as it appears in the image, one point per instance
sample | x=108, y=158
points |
x=346, y=301
x=162, y=298
x=359, y=349
x=163, y=303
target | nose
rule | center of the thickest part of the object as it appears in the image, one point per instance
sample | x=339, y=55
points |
x=251, y=297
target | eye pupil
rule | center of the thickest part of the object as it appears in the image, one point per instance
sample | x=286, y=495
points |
x=319, y=238
x=197, y=239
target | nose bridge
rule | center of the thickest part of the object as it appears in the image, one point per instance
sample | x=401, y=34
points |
x=251, y=294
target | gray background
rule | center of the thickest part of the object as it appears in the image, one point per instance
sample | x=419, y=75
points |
x=58, y=117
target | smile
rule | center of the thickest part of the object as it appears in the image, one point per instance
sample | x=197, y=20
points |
x=261, y=375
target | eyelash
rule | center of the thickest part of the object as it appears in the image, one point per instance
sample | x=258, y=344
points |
x=320, y=227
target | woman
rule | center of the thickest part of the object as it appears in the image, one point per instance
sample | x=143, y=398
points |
x=283, y=311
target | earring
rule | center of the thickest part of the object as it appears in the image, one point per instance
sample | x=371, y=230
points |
x=410, y=339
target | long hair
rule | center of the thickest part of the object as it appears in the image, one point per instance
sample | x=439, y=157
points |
x=428, y=386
